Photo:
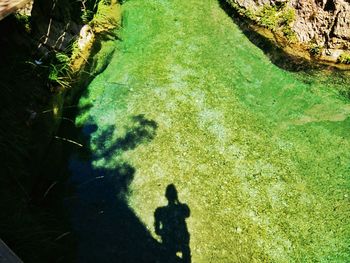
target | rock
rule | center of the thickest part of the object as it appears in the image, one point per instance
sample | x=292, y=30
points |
x=85, y=37
x=55, y=23
x=325, y=23
x=27, y=9
x=342, y=25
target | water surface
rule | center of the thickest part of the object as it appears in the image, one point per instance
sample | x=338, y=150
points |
x=259, y=155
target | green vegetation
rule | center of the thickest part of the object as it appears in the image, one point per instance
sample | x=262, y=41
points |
x=245, y=12
x=24, y=20
x=103, y=22
x=89, y=8
x=269, y=17
x=58, y=64
x=315, y=50
x=344, y=58
x=260, y=155
x=59, y=70
x=278, y=18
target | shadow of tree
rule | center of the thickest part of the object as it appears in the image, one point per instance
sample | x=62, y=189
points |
x=106, y=228
x=142, y=130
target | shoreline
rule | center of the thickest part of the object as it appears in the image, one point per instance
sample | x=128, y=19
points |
x=297, y=52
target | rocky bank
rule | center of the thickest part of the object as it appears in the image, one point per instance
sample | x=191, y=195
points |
x=321, y=27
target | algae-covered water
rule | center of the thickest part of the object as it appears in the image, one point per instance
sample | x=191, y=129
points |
x=259, y=156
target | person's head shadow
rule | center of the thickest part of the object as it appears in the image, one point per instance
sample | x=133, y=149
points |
x=170, y=225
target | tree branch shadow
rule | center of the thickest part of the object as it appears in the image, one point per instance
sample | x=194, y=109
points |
x=106, y=228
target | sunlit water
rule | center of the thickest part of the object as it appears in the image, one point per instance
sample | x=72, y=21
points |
x=259, y=155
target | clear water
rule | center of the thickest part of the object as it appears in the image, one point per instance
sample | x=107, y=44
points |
x=259, y=155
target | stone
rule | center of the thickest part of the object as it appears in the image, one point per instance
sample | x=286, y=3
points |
x=322, y=22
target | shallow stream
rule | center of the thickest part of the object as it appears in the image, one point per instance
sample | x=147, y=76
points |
x=259, y=155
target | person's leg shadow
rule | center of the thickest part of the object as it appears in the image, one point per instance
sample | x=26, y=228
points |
x=170, y=225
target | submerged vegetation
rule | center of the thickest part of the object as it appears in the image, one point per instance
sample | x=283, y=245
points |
x=256, y=158
x=259, y=154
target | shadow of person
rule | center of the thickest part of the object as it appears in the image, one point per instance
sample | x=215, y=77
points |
x=170, y=225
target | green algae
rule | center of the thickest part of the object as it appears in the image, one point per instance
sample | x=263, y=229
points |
x=260, y=155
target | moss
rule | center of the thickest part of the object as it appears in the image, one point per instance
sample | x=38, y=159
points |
x=277, y=18
x=315, y=50
x=24, y=20
x=268, y=17
x=287, y=16
x=245, y=12
x=344, y=58
x=103, y=20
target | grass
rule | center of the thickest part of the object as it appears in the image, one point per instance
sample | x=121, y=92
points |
x=260, y=155
x=59, y=70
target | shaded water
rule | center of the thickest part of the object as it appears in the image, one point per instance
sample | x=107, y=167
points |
x=258, y=155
